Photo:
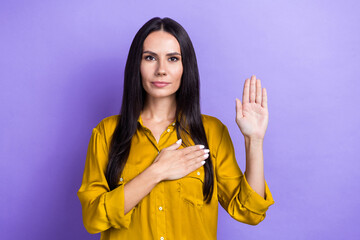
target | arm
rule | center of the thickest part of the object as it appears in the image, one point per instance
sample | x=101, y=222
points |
x=235, y=194
x=171, y=163
x=255, y=165
x=246, y=197
x=139, y=187
x=102, y=208
x=252, y=118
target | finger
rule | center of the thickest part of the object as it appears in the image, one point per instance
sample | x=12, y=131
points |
x=238, y=107
x=258, y=91
x=196, y=164
x=252, y=89
x=191, y=149
x=264, y=98
x=202, y=153
x=199, y=158
x=246, y=91
x=175, y=146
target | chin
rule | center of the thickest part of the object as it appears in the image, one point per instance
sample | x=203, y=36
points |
x=160, y=95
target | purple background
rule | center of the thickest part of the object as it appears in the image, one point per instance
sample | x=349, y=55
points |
x=61, y=72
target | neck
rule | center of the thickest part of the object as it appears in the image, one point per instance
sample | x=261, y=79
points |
x=159, y=109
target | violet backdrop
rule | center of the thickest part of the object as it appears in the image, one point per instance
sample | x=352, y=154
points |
x=61, y=72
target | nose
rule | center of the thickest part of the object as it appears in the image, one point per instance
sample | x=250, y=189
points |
x=161, y=71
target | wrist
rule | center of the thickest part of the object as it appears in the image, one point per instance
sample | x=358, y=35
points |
x=253, y=140
x=154, y=172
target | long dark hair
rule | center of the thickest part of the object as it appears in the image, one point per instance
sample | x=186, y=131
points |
x=188, y=116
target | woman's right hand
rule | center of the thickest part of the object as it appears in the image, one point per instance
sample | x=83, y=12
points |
x=173, y=163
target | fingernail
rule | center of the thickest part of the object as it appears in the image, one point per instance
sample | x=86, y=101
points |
x=206, y=150
x=178, y=141
x=201, y=146
x=202, y=162
x=206, y=155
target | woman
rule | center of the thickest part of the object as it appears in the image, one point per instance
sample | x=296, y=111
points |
x=159, y=168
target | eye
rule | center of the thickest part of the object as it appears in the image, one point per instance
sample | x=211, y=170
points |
x=149, y=58
x=173, y=59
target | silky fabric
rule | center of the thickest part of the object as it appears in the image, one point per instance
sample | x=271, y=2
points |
x=173, y=209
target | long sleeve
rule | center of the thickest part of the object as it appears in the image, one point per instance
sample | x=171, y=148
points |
x=234, y=193
x=101, y=208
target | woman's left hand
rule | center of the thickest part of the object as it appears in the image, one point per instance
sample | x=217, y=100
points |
x=252, y=115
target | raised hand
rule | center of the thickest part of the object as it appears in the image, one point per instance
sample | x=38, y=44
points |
x=252, y=114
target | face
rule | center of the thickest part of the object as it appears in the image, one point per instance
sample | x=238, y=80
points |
x=161, y=66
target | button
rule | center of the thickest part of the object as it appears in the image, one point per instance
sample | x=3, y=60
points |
x=121, y=179
x=160, y=208
x=168, y=130
x=162, y=238
x=198, y=173
x=173, y=124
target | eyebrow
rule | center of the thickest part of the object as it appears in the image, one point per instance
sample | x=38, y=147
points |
x=168, y=54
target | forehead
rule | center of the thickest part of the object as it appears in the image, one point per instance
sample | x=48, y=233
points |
x=161, y=41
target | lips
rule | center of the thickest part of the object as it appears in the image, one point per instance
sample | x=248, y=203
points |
x=160, y=84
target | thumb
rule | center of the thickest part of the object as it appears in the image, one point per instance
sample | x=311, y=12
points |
x=175, y=146
x=238, y=107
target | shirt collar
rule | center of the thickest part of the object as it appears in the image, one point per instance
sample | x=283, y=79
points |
x=140, y=121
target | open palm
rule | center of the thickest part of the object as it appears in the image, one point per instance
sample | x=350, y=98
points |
x=252, y=114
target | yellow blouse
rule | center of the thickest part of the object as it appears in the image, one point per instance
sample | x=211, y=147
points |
x=173, y=209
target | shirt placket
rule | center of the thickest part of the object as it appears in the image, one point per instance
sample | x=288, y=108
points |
x=159, y=191
x=151, y=138
x=160, y=212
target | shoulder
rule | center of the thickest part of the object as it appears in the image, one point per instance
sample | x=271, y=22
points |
x=210, y=121
x=109, y=121
x=107, y=125
x=215, y=131
x=212, y=125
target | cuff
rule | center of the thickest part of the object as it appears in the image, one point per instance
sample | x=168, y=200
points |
x=114, y=207
x=252, y=200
